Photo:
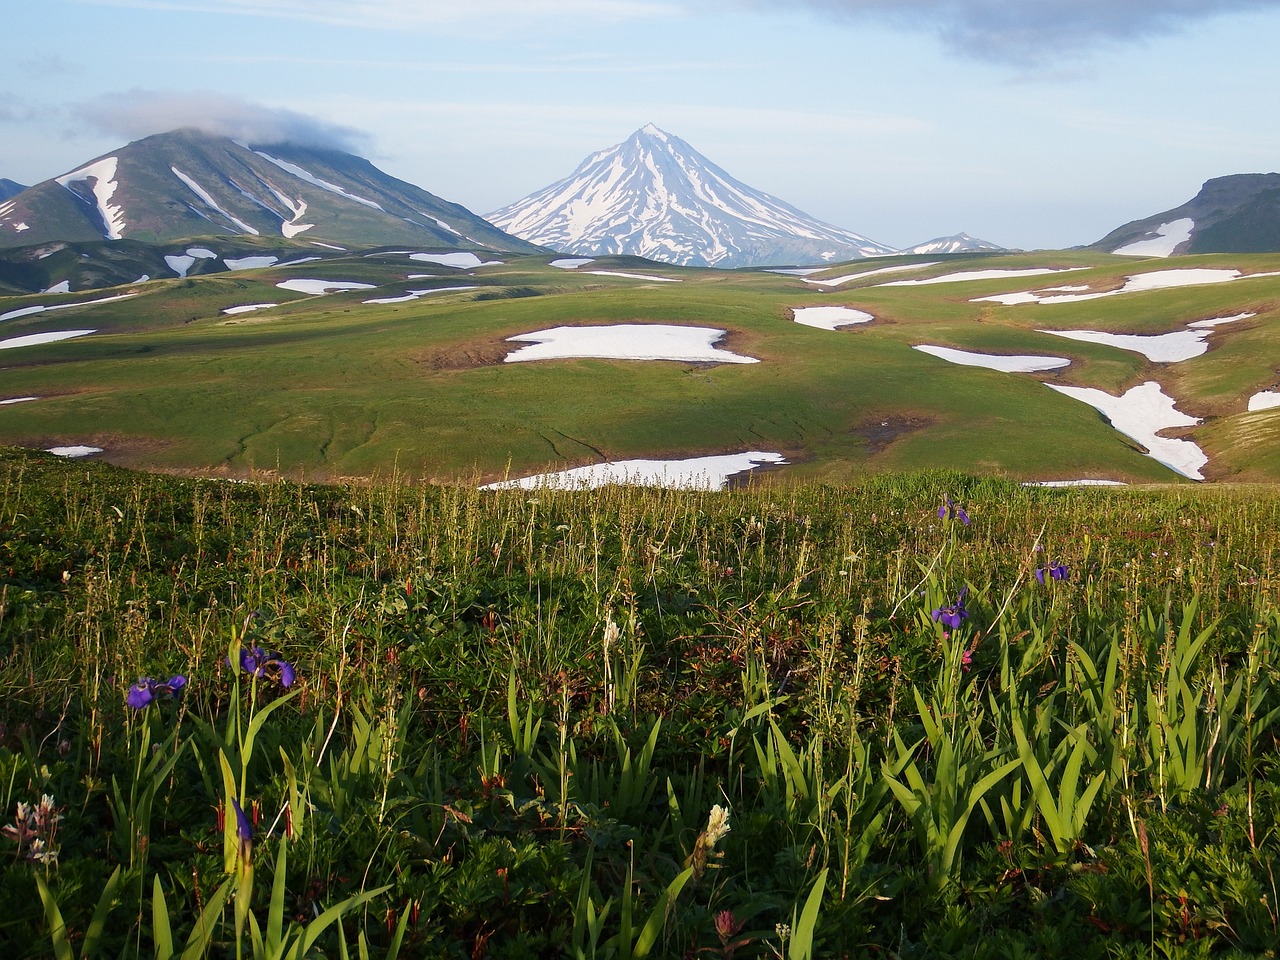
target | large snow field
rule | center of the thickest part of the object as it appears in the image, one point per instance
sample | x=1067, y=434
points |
x=1165, y=241
x=1161, y=347
x=1136, y=283
x=829, y=318
x=626, y=341
x=34, y=339
x=1141, y=413
x=698, y=473
x=994, y=361
x=966, y=275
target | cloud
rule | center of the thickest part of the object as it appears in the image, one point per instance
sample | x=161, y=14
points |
x=1027, y=32
x=413, y=14
x=141, y=113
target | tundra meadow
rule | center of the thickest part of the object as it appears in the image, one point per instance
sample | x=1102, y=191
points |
x=921, y=715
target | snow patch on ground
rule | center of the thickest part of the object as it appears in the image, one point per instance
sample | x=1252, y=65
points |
x=572, y=263
x=62, y=286
x=181, y=263
x=250, y=263
x=460, y=259
x=248, y=308
x=204, y=195
x=321, y=287
x=1266, y=400
x=415, y=294
x=41, y=308
x=1158, y=348
x=1166, y=239
x=103, y=173
x=829, y=318
x=626, y=341
x=838, y=281
x=698, y=473
x=633, y=276
x=328, y=246
x=992, y=361
x=795, y=271
x=33, y=339
x=1137, y=283
x=78, y=451
x=5, y=403
x=1141, y=413
x=967, y=275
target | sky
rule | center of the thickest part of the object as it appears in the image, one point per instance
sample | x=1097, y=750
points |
x=1029, y=123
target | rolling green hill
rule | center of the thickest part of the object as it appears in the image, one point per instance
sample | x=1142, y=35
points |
x=333, y=386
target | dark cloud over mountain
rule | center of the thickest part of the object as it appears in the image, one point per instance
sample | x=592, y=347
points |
x=1025, y=32
x=141, y=113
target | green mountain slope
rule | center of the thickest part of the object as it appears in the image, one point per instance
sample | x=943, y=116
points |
x=186, y=184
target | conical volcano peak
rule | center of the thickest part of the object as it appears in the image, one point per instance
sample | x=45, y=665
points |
x=655, y=196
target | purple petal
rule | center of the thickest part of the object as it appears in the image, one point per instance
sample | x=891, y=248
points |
x=244, y=829
x=176, y=683
x=140, y=694
x=286, y=674
x=1040, y=575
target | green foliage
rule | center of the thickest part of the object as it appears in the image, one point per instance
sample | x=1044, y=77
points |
x=636, y=723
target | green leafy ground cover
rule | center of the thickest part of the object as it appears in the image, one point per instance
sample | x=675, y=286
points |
x=330, y=387
x=517, y=722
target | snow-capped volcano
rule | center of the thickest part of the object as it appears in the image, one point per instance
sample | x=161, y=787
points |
x=959, y=243
x=655, y=196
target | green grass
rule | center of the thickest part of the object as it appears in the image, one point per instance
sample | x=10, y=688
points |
x=514, y=715
x=329, y=387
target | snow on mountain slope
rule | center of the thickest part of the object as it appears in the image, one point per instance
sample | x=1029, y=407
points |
x=187, y=183
x=960, y=243
x=655, y=196
x=98, y=180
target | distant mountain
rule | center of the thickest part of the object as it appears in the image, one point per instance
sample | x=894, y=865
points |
x=1236, y=214
x=960, y=243
x=9, y=188
x=187, y=184
x=655, y=196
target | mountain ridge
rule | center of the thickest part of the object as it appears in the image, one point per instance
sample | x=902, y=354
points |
x=1238, y=213
x=186, y=183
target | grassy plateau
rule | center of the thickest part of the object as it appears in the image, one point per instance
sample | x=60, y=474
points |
x=330, y=387
x=917, y=716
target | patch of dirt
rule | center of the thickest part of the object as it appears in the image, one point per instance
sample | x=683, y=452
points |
x=880, y=432
x=466, y=357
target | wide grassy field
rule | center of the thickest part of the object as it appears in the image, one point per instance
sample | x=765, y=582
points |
x=324, y=387
x=915, y=716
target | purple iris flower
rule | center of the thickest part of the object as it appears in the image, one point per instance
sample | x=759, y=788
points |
x=949, y=511
x=952, y=616
x=244, y=831
x=261, y=663
x=1056, y=571
x=147, y=690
